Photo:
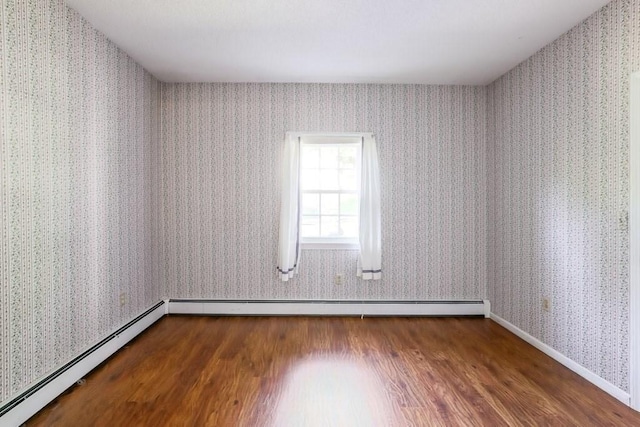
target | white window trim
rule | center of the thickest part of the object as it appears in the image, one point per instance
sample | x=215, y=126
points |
x=319, y=243
x=330, y=134
x=632, y=223
x=312, y=244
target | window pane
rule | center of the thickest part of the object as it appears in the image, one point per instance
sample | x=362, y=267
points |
x=347, y=157
x=329, y=205
x=310, y=226
x=309, y=179
x=329, y=157
x=348, y=204
x=329, y=226
x=329, y=179
x=348, y=180
x=349, y=226
x=310, y=204
x=329, y=189
x=310, y=157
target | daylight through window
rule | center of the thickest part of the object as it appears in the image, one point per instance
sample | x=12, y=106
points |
x=329, y=189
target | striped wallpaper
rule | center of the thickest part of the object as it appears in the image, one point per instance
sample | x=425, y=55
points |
x=558, y=189
x=217, y=189
x=75, y=135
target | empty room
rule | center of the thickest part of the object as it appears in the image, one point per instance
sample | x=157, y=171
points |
x=287, y=213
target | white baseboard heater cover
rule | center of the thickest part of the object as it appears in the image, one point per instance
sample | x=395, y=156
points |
x=328, y=308
x=22, y=407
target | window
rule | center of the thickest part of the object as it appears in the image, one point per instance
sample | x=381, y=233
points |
x=329, y=191
x=330, y=199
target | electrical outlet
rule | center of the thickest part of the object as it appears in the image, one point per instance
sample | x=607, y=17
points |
x=546, y=304
x=123, y=299
x=338, y=279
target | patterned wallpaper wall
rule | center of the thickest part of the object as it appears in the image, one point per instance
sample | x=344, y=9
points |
x=217, y=189
x=558, y=142
x=75, y=134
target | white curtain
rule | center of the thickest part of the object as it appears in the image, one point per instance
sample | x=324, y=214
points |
x=370, y=260
x=288, y=247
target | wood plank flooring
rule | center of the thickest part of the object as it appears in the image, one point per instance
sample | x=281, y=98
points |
x=320, y=371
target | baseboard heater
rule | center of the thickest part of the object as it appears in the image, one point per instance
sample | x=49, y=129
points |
x=19, y=409
x=328, y=308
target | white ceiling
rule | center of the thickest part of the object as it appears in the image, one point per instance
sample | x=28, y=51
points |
x=333, y=41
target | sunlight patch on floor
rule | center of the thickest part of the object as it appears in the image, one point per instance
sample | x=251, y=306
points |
x=332, y=392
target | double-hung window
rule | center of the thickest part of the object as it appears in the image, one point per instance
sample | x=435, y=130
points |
x=330, y=169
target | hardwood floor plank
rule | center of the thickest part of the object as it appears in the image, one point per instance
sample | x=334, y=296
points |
x=314, y=371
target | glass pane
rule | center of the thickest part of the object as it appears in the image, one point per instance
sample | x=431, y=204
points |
x=310, y=157
x=349, y=226
x=348, y=204
x=309, y=179
x=310, y=204
x=329, y=179
x=347, y=157
x=329, y=157
x=348, y=180
x=329, y=205
x=329, y=226
x=310, y=226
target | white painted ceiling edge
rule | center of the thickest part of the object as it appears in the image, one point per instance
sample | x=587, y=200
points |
x=440, y=42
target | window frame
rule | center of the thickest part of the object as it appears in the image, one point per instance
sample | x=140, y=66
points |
x=331, y=139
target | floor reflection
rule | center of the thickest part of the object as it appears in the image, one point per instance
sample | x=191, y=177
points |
x=332, y=392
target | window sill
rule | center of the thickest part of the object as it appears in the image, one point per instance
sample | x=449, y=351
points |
x=330, y=246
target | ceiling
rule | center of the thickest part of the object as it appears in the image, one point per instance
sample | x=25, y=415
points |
x=469, y=42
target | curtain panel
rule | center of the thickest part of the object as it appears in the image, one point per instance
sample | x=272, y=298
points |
x=288, y=246
x=370, y=260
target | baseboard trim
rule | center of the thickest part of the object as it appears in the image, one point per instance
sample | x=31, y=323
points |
x=598, y=381
x=22, y=407
x=326, y=308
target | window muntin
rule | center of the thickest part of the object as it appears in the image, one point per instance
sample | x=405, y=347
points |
x=329, y=191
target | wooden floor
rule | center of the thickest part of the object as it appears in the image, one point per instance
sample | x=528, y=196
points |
x=292, y=371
